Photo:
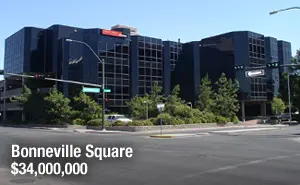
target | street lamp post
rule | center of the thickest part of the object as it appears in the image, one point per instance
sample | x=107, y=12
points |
x=282, y=10
x=289, y=96
x=103, y=77
x=146, y=109
x=288, y=77
x=160, y=108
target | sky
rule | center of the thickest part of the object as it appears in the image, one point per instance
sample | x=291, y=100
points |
x=189, y=20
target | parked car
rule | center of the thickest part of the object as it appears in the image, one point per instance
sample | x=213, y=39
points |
x=118, y=117
x=284, y=117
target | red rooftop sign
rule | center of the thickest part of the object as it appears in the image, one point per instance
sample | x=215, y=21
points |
x=112, y=33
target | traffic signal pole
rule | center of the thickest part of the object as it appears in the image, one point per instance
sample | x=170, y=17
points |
x=55, y=79
x=275, y=66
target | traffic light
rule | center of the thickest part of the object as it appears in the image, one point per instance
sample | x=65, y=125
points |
x=106, y=100
x=273, y=65
x=1, y=72
x=239, y=68
x=39, y=77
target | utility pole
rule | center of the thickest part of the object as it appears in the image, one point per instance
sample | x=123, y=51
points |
x=289, y=90
x=289, y=94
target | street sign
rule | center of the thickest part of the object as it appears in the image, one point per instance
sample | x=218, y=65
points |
x=91, y=90
x=107, y=90
x=255, y=73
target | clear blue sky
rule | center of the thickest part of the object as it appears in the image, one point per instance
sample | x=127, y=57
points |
x=167, y=19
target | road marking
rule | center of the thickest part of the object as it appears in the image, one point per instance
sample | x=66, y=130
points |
x=297, y=139
x=231, y=167
x=243, y=130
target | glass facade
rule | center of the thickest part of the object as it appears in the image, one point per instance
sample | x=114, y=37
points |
x=257, y=58
x=149, y=63
x=133, y=63
x=187, y=71
x=271, y=51
x=284, y=54
x=171, y=52
x=21, y=50
x=115, y=51
x=175, y=49
x=14, y=57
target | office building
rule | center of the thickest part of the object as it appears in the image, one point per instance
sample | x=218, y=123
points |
x=271, y=52
x=134, y=62
x=187, y=71
x=20, y=50
x=20, y=56
x=219, y=54
x=146, y=64
x=171, y=53
x=113, y=48
x=284, y=54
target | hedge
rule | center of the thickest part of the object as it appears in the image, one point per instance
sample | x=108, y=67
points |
x=98, y=122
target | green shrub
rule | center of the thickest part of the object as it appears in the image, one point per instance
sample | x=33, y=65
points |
x=166, y=119
x=235, y=119
x=208, y=117
x=188, y=121
x=197, y=119
x=98, y=122
x=78, y=121
x=153, y=120
x=140, y=123
x=183, y=111
x=147, y=123
x=221, y=119
x=119, y=123
x=177, y=121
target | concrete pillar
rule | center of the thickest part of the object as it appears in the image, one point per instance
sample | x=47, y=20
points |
x=243, y=111
x=263, y=109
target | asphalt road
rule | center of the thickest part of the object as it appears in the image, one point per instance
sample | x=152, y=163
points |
x=260, y=157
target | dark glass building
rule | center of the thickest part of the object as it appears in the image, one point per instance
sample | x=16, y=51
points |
x=187, y=71
x=114, y=50
x=133, y=63
x=20, y=50
x=219, y=54
x=171, y=52
x=146, y=64
x=271, y=49
x=284, y=54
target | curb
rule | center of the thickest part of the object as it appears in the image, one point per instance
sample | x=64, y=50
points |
x=173, y=135
x=226, y=132
x=97, y=131
x=161, y=136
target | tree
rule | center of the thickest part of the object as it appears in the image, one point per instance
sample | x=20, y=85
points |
x=86, y=108
x=296, y=60
x=173, y=100
x=278, y=106
x=57, y=106
x=155, y=98
x=22, y=100
x=138, y=106
x=205, y=97
x=226, y=102
x=294, y=83
x=32, y=103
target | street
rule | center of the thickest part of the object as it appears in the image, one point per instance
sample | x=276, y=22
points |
x=257, y=157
